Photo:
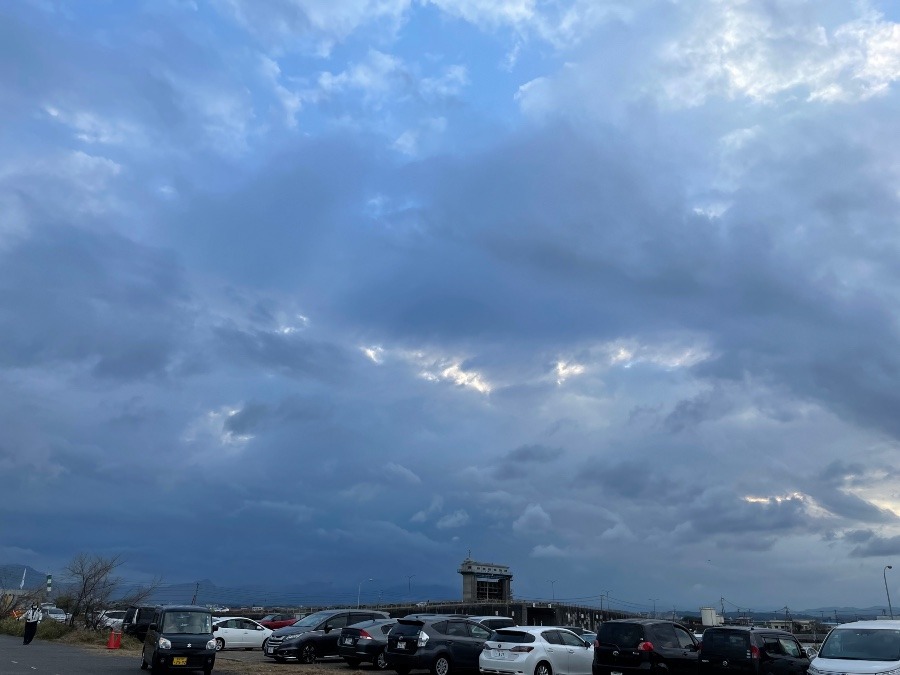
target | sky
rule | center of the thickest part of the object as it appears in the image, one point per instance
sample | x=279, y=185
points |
x=314, y=291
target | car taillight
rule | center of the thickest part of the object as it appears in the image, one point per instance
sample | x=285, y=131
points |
x=422, y=639
x=363, y=635
x=522, y=649
x=754, y=652
x=597, y=644
x=646, y=646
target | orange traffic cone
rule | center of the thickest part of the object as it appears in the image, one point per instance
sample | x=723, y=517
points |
x=115, y=639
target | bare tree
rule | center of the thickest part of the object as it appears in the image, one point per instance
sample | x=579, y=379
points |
x=94, y=587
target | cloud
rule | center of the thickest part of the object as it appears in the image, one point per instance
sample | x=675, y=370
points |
x=533, y=520
x=457, y=519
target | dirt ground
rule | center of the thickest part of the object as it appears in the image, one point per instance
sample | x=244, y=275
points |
x=244, y=662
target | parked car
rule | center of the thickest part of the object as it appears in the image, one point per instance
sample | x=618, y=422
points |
x=635, y=646
x=276, y=621
x=542, y=650
x=316, y=635
x=494, y=622
x=180, y=637
x=137, y=619
x=365, y=641
x=441, y=644
x=238, y=632
x=111, y=618
x=54, y=613
x=740, y=650
x=859, y=647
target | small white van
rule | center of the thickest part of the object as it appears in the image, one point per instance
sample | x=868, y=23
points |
x=860, y=648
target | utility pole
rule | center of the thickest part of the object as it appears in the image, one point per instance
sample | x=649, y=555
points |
x=196, y=590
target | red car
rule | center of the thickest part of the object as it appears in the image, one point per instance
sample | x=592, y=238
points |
x=274, y=621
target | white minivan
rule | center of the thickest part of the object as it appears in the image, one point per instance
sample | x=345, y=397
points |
x=860, y=648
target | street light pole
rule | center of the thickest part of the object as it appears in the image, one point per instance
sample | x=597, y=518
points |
x=884, y=574
x=359, y=591
x=553, y=588
x=409, y=579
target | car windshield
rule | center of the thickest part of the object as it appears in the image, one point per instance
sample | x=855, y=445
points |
x=862, y=644
x=313, y=619
x=192, y=623
x=269, y=617
x=55, y=611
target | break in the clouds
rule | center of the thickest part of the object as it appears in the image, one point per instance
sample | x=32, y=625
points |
x=603, y=291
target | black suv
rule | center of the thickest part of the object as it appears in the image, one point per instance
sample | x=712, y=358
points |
x=137, y=619
x=632, y=646
x=315, y=635
x=179, y=637
x=440, y=644
x=737, y=650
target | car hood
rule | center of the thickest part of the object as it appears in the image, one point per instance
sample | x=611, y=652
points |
x=292, y=630
x=853, y=666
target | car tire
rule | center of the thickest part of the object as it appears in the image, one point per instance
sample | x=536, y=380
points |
x=441, y=665
x=265, y=642
x=380, y=661
x=308, y=653
x=353, y=663
x=543, y=668
x=220, y=644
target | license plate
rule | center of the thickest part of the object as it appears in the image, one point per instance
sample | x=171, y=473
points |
x=499, y=653
x=401, y=644
x=348, y=641
x=179, y=660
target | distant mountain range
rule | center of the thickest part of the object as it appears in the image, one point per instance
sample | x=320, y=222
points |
x=319, y=594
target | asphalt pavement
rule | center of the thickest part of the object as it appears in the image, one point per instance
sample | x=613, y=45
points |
x=51, y=658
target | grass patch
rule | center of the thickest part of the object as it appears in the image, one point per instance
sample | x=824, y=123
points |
x=47, y=630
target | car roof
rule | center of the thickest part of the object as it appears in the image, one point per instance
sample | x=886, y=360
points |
x=532, y=629
x=882, y=624
x=749, y=629
x=643, y=622
x=185, y=608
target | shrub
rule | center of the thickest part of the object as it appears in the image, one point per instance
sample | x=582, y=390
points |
x=10, y=626
x=47, y=629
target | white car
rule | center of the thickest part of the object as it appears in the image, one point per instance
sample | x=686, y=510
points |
x=237, y=632
x=536, y=650
x=54, y=613
x=111, y=618
x=859, y=647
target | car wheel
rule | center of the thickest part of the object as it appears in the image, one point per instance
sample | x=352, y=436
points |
x=308, y=653
x=380, y=661
x=441, y=666
x=155, y=668
x=353, y=663
x=543, y=668
x=265, y=642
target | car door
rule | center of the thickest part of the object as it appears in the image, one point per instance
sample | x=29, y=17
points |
x=773, y=660
x=478, y=635
x=679, y=660
x=581, y=657
x=557, y=653
x=796, y=661
x=456, y=637
x=327, y=640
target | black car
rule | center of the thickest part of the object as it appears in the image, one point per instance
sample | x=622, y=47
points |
x=179, y=637
x=366, y=642
x=316, y=635
x=441, y=644
x=137, y=619
x=737, y=650
x=644, y=646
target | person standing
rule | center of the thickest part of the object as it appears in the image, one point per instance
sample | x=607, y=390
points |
x=32, y=619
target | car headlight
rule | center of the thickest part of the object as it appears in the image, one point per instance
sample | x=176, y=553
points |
x=164, y=643
x=211, y=644
x=292, y=636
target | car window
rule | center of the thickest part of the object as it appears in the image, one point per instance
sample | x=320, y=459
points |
x=457, y=629
x=187, y=622
x=790, y=647
x=552, y=637
x=685, y=639
x=570, y=639
x=337, y=622
x=479, y=632
x=386, y=628
x=232, y=623
x=664, y=636
x=440, y=627
x=626, y=635
x=772, y=646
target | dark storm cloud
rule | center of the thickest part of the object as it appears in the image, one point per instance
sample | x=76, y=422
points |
x=877, y=547
x=830, y=490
